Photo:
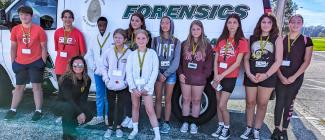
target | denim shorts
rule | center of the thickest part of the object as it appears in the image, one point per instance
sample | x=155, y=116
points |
x=171, y=79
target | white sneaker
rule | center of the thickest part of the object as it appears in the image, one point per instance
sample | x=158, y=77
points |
x=184, y=127
x=106, y=120
x=193, y=128
x=246, y=134
x=95, y=121
x=108, y=133
x=256, y=134
x=130, y=124
x=132, y=135
x=125, y=122
x=119, y=133
x=58, y=120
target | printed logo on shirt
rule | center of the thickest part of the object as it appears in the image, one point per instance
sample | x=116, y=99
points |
x=26, y=39
x=69, y=40
x=260, y=53
x=229, y=53
x=161, y=49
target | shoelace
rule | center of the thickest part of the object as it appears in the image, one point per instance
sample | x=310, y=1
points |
x=219, y=128
x=247, y=131
x=224, y=132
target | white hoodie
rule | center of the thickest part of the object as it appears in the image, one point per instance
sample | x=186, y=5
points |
x=109, y=69
x=95, y=60
x=149, y=71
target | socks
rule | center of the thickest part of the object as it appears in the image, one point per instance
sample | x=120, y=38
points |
x=221, y=123
x=38, y=110
x=226, y=126
x=156, y=131
x=13, y=109
x=135, y=127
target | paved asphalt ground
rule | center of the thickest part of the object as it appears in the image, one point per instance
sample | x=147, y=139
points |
x=308, y=122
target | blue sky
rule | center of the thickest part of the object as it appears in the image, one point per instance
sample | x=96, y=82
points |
x=313, y=11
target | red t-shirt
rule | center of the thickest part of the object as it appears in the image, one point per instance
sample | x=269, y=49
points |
x=75, y=45
x=29, y=47
x=231, y=55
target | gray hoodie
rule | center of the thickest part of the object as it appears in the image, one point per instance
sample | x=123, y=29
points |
x=159, y=44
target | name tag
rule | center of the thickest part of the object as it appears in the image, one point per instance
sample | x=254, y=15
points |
x=117, y=73
x=164, y=63
x=140, y=81
x=26, y=51
x=223, y=65
x=261, y=64
x=286, y=63
x=63, y=54
x=192, y=65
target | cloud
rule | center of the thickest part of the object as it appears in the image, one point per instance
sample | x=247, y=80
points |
x=312, y=17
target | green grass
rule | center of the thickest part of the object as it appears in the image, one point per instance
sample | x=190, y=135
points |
x=319, y=44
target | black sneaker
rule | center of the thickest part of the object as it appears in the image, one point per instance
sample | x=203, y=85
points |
x=37, y=116
x=10, y=115
x=225, y=134
x=284, y=135
x=276, y=134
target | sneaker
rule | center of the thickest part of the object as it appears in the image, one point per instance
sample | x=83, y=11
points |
x=193, y=128
x=108, y=133
x=256, y=134
x=225, y=134
x=119, y=133
x=184, y=127
x=37, y=116
x=247, y=133
x=96, y=120
x=132, y=135
x=164, y=129
x=10, y=115
x=58, y=120
x=276, y=134
x=218, y=132
x=125, y=122
x=106, y=120
x=284, y=135
x=156, y=138
x=130, y=124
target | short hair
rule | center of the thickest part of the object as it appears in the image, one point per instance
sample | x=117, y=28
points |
x=120, y=31
x=67, y=11
x=26, y=10
x=102, y=19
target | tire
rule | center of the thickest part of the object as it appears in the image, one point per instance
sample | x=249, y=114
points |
x=6, y=88
x=208, y=104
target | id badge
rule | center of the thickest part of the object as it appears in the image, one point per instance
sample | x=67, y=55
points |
x=223, y=65
x=140, y=81
x=192, y=65
x=63, y=54
x=164, y=63
x=26, y=51
x=261, y=64
x=286, y=63
x=117, y=73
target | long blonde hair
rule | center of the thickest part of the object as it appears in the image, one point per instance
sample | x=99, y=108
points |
x=202, y=41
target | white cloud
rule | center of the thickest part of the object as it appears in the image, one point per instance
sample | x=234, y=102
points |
x=312, y=17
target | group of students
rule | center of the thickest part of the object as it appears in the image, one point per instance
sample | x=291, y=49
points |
x=137, y=67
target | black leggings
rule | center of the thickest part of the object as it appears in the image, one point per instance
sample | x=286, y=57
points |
x=285, y=96
x=116, y=102
x=69, y=115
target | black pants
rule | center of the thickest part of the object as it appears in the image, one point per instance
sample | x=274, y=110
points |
x=128, y=105
x=285, y=96
x=116, y=102
x=69, y=115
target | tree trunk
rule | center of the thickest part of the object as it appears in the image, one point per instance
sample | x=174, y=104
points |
x=280, y=13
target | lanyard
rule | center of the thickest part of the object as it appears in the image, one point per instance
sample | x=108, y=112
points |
x=229, y=43
x=116, y=54
x=258, y=55
x=141, y=61
x=65, y=37
x=194, y=47
x=102, y=45
x=291, y=44
x=26, y=36
x=166, y=49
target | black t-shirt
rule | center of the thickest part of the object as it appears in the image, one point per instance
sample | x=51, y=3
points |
x=296, y=55
x=261, y=60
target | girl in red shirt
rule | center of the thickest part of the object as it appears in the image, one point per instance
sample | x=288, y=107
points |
x=230, y=49
x=69, y=42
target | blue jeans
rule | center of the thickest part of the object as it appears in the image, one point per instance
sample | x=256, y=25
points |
x=101, y=96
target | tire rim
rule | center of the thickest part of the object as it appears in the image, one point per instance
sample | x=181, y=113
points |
x=204, y=102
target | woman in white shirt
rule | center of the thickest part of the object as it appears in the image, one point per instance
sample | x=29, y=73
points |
x=141, y=71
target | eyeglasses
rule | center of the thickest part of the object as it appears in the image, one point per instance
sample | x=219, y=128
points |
x=78, y=65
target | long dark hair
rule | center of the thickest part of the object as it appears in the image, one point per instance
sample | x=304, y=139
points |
x=71, y=74
x=239, y=32
x=274, y=31
x=130, y=30
x=202, y=41
x=67, y=11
